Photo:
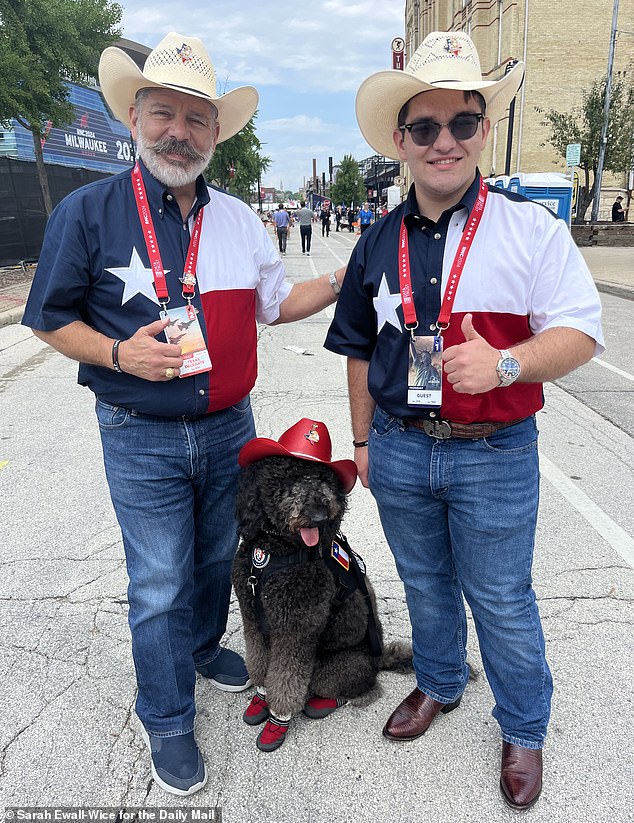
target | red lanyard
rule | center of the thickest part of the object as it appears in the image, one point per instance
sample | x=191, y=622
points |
x=189, y=275
x=404, y=271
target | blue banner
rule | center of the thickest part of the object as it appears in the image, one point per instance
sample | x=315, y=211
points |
x=95, y=140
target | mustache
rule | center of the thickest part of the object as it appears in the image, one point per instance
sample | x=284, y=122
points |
x=170, y=145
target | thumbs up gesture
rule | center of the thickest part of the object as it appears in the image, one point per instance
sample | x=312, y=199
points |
x=470, y=366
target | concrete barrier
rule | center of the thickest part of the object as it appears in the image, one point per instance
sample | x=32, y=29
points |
x=603, y=234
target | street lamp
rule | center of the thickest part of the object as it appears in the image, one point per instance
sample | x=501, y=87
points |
x=606, y=117
x=509, y=131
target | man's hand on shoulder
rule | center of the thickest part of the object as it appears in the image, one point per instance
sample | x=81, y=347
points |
x=471, y=366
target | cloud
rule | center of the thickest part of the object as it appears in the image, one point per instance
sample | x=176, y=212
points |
x=307, y=62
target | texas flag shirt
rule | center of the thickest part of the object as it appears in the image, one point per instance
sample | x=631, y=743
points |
x=94, y=267
x=523, y=275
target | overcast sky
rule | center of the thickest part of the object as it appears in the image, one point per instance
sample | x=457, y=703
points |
x=306, y=59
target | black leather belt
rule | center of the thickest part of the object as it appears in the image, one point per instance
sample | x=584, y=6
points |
x=187, y=418
x=444, y=429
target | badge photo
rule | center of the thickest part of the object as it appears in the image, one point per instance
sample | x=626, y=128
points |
x=424, y=376
x=184, y=331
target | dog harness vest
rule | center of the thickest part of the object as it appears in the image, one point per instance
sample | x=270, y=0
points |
x=346, y=566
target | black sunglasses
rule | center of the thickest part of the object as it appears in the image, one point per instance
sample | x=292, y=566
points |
x=425, y=132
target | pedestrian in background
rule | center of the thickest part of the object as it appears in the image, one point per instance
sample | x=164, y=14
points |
x=282, y=220
x=365, y=218
x=128, y=264
x=325, y=221
x=618, y=212
x=305, y=217
x=497, y=282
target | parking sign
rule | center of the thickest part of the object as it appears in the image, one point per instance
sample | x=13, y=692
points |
x=573, y=154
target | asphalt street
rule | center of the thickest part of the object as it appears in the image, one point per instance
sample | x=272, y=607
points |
x=69, y=736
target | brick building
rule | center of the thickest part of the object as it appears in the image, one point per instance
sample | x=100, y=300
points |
x=565, y=48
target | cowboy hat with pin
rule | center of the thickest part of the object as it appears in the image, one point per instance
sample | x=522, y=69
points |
x=307, y=440
x=444, y=60
x=179, y=63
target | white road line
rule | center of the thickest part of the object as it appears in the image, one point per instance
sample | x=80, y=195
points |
x=620, y=372
x=605, y=527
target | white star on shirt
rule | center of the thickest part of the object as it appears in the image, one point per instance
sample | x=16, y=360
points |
x=137, y=279
x=385, y=305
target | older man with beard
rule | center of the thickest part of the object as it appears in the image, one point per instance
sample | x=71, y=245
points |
x=124, y=262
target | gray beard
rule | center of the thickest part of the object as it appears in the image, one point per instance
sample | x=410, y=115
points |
x=172, y=176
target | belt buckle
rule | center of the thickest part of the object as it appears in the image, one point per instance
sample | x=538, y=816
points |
x=440, y=429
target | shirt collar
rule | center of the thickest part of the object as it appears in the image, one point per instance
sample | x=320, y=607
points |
x=413, y=217
x=157, y=193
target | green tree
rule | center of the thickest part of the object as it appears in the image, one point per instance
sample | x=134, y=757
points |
x=583, y=124
x=43, y=45
x=348, y=187
x=237, y=163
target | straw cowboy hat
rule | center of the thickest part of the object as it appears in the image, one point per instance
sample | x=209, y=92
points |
x=444, y=60
x=179, y=63
x=306, y=439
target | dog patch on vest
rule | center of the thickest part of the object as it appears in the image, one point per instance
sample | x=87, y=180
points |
x=260, y=557
x=360, y=562
x=340, y=555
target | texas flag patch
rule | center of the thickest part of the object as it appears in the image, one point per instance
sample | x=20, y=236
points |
x=340, y=555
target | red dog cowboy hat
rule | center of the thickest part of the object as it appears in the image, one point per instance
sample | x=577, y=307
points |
x=307, y=440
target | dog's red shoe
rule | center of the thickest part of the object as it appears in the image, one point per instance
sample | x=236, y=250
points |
x=318, y=707
x=272, y=735
x=257, y=711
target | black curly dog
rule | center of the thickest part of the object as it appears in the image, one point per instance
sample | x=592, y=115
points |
x=313, y=638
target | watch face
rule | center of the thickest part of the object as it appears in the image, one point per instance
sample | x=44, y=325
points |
x=510, y=368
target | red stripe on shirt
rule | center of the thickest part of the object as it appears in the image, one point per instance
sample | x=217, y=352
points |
x=500, y=404
x=232, y=343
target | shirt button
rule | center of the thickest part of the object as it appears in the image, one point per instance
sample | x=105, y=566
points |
x=432, y=327
x=201, y=392
x=169, y=197
x=433, y=281
x=437, y=236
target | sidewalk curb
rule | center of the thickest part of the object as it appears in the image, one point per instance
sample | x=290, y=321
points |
x=626, y=292
x=7, y=318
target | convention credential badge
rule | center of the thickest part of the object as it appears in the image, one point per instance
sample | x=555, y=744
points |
x=424, y=376
x=184, y=331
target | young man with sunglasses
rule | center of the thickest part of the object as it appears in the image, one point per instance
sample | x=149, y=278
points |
x=497, y=288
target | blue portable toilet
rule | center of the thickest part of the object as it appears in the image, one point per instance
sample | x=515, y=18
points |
x=498, y=182
x=552, y=189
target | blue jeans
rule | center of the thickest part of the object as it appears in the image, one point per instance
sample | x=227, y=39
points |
x=173, y=485
x=460, y=517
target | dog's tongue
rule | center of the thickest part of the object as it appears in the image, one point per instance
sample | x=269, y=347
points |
x=310, y=536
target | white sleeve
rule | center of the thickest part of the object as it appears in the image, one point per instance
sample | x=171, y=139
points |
x=563, y=291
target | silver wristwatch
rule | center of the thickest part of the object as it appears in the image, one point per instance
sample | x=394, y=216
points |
x=334, y=283
x=508, y=368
